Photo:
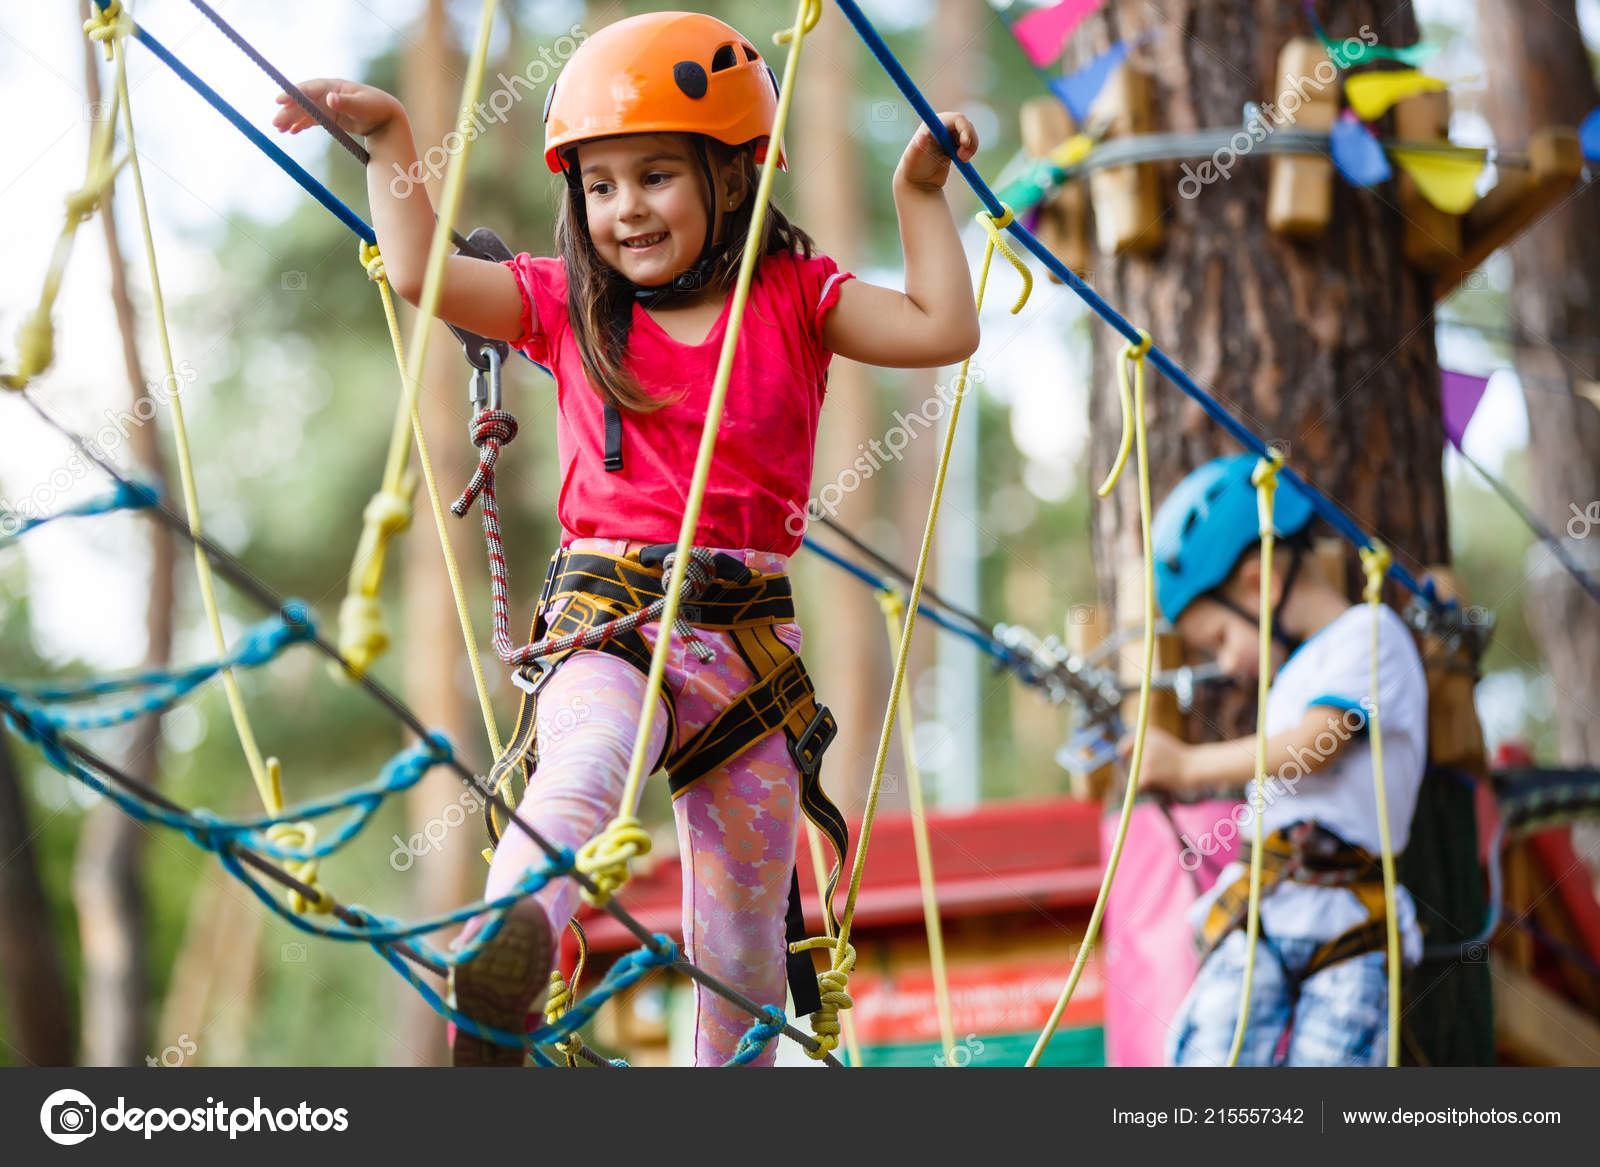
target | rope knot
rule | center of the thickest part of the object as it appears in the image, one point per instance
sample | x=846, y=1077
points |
x=389, y=511
x=106, y=24
x=834, y=987
x=994, y=226
x=302, y=837
x=1265, y=479
x=490, y=429
x=372, y=261
x=604, y=858
x=1375, y=561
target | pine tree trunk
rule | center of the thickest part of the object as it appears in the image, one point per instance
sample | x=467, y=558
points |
x=107, y=882
x=844, y=643
x=38, y=1014
x=1324, y=347
x=1540, y=75
x=435, y=659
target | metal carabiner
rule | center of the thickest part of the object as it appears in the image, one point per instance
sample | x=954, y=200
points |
x=483, y=391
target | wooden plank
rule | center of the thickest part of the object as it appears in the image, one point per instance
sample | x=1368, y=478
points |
x=1432, y=238
x=1083, y=635
x=1518, y=200
x=1535, y=1027
x=1300, y=186
x=1128, y=208
x=1063, y=223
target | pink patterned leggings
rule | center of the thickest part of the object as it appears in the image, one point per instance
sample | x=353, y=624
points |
x=736, y=826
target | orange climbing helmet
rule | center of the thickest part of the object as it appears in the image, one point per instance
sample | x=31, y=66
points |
x=662, y=72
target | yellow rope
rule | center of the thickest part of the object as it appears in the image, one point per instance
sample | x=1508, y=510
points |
x=563, y=993
x=36, y=335
x=605, y=858
x=814, y=840
x=893, y=605
x=362, y=636
x=1265, y=479
x=824, y=1023
x=1133, y=433
x=1376, y=560
x=265, y=771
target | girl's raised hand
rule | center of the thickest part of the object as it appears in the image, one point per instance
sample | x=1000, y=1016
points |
x=925, y=164
x=353, y=107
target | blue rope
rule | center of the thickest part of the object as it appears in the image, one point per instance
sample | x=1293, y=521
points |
x=164, y=687
x=289, y=166
x=213, y=833
x=628, y=971
x=126, y=496
x=1326, y=507
x=756, y=1038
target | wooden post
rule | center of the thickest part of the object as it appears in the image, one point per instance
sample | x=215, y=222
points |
x=1130, y=660
x=1300, y=186
x=1063, y=224
x=1555, y=159
x=1432, y=239
x=1127, y=199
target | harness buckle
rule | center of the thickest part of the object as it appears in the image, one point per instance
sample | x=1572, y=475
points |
x=528, y=684
x=808, y=748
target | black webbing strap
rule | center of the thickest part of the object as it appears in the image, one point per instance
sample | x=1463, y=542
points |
x=613, y=438
x=627, y=585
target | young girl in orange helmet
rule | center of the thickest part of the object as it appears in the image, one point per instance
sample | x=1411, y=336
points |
x=657, y=125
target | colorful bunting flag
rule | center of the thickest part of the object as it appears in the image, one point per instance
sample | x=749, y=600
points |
x=1459, y=394
x=1372, y=94
x=1043, y=32
x=1079, y=88
x=1589, y=136
x=1448, y=181
x=1357, y=153
x=1356, y=51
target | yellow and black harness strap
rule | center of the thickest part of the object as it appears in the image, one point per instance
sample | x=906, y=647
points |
x=1305, y=853
x=599, y=588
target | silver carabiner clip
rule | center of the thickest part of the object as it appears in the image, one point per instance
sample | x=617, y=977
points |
x=483, y=391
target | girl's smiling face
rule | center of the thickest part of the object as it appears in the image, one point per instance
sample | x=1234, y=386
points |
x=645, y=198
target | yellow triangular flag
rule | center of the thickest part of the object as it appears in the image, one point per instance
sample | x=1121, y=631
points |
x=1073, y=151
x=1448, y=181
x=1371, y=94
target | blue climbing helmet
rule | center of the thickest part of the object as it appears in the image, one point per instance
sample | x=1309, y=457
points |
x=1209, y=521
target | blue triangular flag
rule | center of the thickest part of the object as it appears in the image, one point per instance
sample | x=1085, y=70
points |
x=1078, y=89
x=1358, y=155
x=1589, y=136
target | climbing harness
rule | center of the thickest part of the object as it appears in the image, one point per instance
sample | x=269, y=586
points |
x=1305, y=852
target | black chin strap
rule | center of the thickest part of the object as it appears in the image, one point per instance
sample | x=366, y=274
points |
x=1289, y=642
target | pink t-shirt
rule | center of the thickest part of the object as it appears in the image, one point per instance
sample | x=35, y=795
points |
x=761, y=472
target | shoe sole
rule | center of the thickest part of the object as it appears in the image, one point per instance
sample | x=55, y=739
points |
x=502, y=985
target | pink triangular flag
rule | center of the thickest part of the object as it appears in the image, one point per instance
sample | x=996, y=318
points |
x=1044, y=31
x=1459, y=395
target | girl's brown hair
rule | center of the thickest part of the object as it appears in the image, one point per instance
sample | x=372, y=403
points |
x=600, y=302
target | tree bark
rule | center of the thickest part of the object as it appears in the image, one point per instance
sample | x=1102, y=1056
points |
x=106, y=876
x=38, y=1014
x=1324, y=347
x=845, y=644
x=435, y=661
x=1540, y=75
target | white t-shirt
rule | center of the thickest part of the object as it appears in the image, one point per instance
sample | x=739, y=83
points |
x=1333, y=671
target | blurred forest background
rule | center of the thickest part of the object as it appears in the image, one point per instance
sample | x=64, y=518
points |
x=290, y=415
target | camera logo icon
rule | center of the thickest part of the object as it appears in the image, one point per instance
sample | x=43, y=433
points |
x=68, y=1117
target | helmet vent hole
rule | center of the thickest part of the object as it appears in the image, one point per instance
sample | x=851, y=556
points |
x=750, y=54
x=724, y=58
x=691, y=78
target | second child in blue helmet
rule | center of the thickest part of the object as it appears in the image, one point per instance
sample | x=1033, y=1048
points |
x=1319, y=990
